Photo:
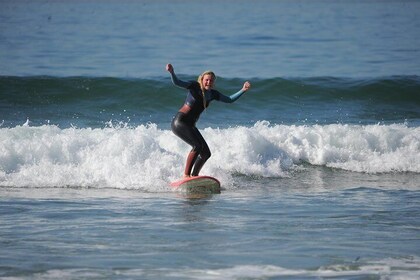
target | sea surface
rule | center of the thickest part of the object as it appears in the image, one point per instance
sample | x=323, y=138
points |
x=319, y=162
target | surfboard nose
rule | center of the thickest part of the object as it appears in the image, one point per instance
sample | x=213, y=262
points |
x=198, y=184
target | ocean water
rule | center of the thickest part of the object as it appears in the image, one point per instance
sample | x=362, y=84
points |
x=319, y=162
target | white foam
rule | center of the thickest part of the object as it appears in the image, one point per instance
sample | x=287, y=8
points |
x=360, y=148
x=392, y=269
x=147, y=158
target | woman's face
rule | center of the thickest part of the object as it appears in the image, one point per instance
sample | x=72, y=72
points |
x=208, y=81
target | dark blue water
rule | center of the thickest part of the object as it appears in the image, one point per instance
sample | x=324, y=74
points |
x=93, y=102
x=319, y=161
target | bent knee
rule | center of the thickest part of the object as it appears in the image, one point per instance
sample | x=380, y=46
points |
x=206, y=153
x=202, y=150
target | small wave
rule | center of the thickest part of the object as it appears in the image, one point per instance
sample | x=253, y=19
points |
x=90, y=101
x=42, y=90
x=146, y=157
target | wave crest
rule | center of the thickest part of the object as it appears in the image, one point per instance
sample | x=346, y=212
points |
x=146, y=157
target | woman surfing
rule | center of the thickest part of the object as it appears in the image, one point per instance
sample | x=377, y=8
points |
x=200, y=94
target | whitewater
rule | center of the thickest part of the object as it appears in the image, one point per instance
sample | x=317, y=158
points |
x=146, y=157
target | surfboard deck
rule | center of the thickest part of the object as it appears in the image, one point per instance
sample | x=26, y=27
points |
x=198, y=184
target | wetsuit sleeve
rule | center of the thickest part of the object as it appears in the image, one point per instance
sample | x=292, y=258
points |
x=179, y=82
x=232, y=98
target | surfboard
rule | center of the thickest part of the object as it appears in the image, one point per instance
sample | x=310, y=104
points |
x=198, y=184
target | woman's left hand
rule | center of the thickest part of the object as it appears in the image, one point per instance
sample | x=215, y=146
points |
x=247, y=86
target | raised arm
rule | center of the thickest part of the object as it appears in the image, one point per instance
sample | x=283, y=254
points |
x=175, y=79
x=235, y=96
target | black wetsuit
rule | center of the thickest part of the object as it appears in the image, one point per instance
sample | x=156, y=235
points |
x=183, y=124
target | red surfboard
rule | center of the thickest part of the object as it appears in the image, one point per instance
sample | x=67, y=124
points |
x=198, y=184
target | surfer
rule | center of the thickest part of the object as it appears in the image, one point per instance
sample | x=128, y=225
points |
x=200, y=94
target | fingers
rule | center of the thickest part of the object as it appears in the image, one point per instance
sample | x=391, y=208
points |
x=247, y=85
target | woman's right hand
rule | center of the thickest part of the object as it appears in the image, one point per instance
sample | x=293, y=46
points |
x=169, y=68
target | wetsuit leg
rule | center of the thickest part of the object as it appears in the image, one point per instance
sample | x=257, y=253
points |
x=186, y=130
x=203, y=156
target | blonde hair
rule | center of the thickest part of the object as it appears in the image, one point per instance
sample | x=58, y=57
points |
x=200, y=81
x=200, y=78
